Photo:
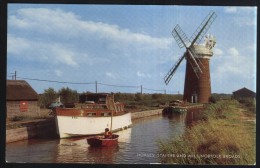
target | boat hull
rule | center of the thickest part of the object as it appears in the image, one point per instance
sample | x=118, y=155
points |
x=179, y=110
x=101, y=142
x=174, y=110
x=71, y=126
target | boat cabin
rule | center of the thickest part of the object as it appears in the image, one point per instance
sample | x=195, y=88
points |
x=95, y=105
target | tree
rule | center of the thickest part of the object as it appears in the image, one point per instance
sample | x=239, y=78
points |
x=138, y=97
x=157, y=96
x=47, y=97
x=68, y=96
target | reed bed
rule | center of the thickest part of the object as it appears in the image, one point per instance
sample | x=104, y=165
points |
x=223, y=136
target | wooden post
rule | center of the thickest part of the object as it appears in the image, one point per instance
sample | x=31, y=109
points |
x=96, y=86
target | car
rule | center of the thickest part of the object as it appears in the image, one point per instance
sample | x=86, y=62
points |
x=55, y=104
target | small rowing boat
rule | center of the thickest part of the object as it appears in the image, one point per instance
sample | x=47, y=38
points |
x=99, y=141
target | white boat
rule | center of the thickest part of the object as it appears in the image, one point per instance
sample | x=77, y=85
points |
x=92, y=117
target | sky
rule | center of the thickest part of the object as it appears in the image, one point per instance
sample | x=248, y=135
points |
x=124, y=47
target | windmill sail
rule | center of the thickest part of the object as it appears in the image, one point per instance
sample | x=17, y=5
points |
x=203, y=28
x=196, y=66
x=195, y=55
x=183, y=41
x=180, y=37
x=169, y=75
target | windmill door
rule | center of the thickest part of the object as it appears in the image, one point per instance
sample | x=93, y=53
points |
x=194, y=98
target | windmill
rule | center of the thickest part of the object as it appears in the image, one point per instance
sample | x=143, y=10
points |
x=197, y=87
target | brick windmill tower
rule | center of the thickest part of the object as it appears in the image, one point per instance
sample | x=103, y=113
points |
x=197, y=87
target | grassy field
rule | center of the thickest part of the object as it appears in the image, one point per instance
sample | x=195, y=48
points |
x=225, y=135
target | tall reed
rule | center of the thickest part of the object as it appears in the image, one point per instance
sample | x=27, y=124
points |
x=221, y=137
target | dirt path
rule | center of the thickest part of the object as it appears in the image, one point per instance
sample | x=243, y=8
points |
x=247, y=116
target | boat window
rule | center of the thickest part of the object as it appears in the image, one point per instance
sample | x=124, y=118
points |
x=101, y=100
x=89, y=102
x=105, y=114
x=90, y=107
x=91, y=114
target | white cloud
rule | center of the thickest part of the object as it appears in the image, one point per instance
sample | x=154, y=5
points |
x=230, y=9
x=248, y=9
x=243, y=15
x=162, y=74
x=140, y=74
x=239, y=9
x=58, y=72
x=233, y=52
x=16, y=45
x=218, y=51
x=252, y=48
x=40, y=51
x=43, y=19
x=234, y=65
x=111, y=75
x=63, y=55
x=143, y=75
x=245, y=21
x=68, y=25
x=54, y=36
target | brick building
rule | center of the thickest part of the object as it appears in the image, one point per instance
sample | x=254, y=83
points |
x=21, y=99
x=243, y=93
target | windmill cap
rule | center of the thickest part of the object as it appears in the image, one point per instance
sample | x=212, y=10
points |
x=202, y=52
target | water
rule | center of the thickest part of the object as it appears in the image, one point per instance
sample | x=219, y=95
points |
x=137, y=144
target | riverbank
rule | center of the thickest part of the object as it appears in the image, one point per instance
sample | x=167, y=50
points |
x=146, y=113
x=43, y=128
x=225, y=134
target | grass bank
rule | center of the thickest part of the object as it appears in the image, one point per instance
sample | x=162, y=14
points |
x=225, y=135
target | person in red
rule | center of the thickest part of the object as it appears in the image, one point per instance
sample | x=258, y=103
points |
x=107, y=134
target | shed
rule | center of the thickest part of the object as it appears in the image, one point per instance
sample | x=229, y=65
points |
x=244, y=93
x=21, y=99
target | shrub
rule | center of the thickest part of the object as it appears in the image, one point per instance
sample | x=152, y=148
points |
x=19, y=118
x=249, y=103
x=212, y=99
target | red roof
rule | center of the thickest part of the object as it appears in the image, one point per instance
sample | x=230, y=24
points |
x=20, y=90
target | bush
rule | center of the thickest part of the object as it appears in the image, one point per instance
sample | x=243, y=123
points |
x=212, y=99
x=249, y=103
x=138, y=97
x=20, y=118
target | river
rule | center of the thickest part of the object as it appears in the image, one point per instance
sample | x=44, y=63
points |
x=137, y=145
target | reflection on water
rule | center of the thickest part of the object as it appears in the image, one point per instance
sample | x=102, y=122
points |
x=31, y=151
x=101, y=155
x=77, y=150
x=192, y=116
x=137, y=144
